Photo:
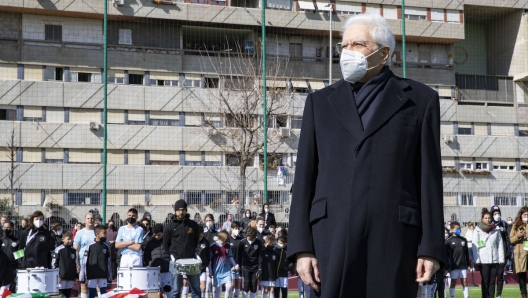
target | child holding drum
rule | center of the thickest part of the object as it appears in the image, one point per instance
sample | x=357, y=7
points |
x=222, y=263
x=96, y=270
x=64, y=259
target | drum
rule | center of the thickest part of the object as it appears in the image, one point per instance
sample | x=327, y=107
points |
x=38, y=281
x=143, y=278
x=188, y=266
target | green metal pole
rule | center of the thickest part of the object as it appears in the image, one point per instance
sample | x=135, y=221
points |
x=264, y=101
x=105, y=111
x=404, y=51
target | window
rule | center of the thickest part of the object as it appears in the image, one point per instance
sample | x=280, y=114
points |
x=33, y=113
x=233, y=160
x=505, y=200
x=8, y=113
x=480, y=82
x=213, y=159
x=274, y=160
x=437, y=15
x=482, y=166
x=296, y=122
x=211, y=82
x=465, y=166
x=84, y=198
x=502, y=164
x=164, y=158
x=413, y=17
x=523, y=133
x=245, y=121
x=193, y=158
x=53, y=73
x=466, y=199
x=277, y=121
x=296, y=51
x=306, y=6
x=135, y=79
x=53, y=32
x=505, y=168
x=54, y=155
x=213, y=120
x=125, y=36
x=193, y=197
x=464, y=130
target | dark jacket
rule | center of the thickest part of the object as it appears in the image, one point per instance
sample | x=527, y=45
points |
x=203, y=250
x=283, y=265
x=97, y=263
x=251, y=255
x=268, y=264
x=244, y=223
x=155, y=256
x=348, y=177
x=7, y=275
x=236, y=248
x=502, y=226
x=147, y=236
x=11, y=244
x=64, y=259
x=210, y=235
x=180, y=238
x=263, y=235
x=111, y=235
x=37, y=252
x=269, y=220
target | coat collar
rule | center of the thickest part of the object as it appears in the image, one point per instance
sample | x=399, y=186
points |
x=392, y=99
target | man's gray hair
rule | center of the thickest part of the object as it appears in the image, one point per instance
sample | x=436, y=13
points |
x=379, y=29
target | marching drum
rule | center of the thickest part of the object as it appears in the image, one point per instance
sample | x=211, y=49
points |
x=38, y=281
x=188, y=266
x=143, y=278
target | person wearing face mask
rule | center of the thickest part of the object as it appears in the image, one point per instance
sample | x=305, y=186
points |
x=250, y=262
x=111, y=235
x=269, y=218
x=210, y=229
x=227, y=224
x=457, y=257
x=471, y=248
x=147, y=235
x=236, y=249
x=37, y=242
x=56, y=232
x=520, y=255
x=509, y=263
x=490, y=252
x=364, y=139
x=222, y=265
x=262, y=232
x=129, y=239
x=180, y=239
x=10, y=244
x=502, y=227
x=244, y=223
x=283, y=267
x=198, y=219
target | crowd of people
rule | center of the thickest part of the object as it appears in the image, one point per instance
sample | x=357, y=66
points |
x=492, y=246
x=237, y=257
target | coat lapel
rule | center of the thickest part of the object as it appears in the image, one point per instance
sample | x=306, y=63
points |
x=342, y=102
x=391, y=100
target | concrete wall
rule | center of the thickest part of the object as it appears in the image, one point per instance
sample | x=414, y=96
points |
x=9, y=24
x=73, y=29
x=470, y=53
x=501, y=38
x=152, y=33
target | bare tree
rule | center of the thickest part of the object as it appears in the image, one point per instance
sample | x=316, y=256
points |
x=11, y=150
x=234, y=109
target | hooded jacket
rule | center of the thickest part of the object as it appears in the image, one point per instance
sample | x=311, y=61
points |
x=492, y=252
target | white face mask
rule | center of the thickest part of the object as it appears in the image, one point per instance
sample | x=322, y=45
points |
x=260, y=230
x=209, y=224
x=248, y=215
x=496, y=217
x=525, y=219
x=509, y=222
x=354, y=65
x=266, y=210
x=59, y=232
x=446, y=235
x=235, y=232
x=38, y=223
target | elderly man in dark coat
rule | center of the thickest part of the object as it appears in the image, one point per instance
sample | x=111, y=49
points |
x=367, y=211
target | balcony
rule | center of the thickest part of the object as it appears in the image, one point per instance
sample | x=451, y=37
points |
x=485, y=89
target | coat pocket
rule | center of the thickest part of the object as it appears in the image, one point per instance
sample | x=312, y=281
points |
x=405, y=120
x=410, y=215
x=318, y=210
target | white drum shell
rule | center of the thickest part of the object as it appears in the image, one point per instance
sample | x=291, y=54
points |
x=188, y=266
x=143, y=278
x=38, y=280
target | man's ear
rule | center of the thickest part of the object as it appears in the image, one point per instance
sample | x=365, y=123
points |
x=385, y=53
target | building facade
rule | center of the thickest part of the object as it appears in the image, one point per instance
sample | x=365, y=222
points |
x=168, y=60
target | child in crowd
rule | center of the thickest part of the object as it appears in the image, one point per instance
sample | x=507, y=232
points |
x=64, y=259
x=222, y=263
x=96, y=269
x=203, y=252
x=283, y=267
x=457, y=257
x=251, y=248
x=268, y=267
x=236, y=249
x=56, y=232
x=155, y=256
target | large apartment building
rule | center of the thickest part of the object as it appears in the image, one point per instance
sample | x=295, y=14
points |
x=160, y=145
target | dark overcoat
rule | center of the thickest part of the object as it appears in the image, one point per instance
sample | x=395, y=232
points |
x=368, y=202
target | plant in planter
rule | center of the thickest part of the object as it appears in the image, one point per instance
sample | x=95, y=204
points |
x=475, y=172
x=449, y=171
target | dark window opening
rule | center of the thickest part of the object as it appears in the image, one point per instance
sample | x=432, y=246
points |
x=464, y=131
x=211, y=82
x=164, y=162
x=82, y=198
x=84, y=77
x=53, y=32
x=135, y=79
x=58, y=73
x=7, y=114
x=523, y=133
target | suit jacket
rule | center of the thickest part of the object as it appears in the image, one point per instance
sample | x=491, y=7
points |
x=270, y=220
x=368, y=202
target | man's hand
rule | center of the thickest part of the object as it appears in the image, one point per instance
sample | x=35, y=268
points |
x=425, y=268
x=308, y=271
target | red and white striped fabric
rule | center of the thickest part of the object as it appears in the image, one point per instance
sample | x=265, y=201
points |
x=4, y=292
x=134, y=293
